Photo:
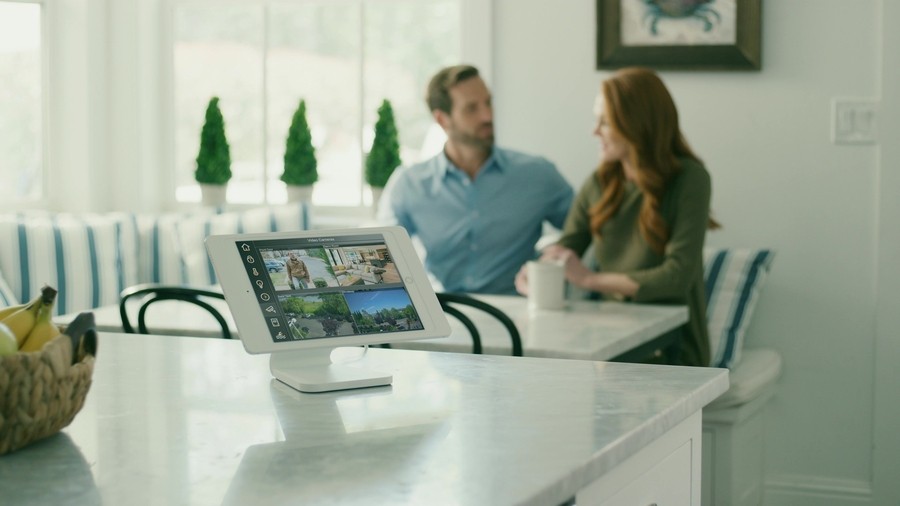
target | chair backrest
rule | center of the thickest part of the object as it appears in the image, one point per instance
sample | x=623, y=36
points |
x=151, y=293
x=447, y=301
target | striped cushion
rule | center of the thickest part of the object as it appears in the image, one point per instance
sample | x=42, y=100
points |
x=734, y=278
x=196, y=266
x=7, y=297
x=160, y=254
x=87, y=258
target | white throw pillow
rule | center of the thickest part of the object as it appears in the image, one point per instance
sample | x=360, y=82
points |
x=88, y=258
x=7, y=297
x=160, y=252
x=191, y=232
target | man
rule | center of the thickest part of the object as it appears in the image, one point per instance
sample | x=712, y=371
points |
x=297, y=273
x=476, y=208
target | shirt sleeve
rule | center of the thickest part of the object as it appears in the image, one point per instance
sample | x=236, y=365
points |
x=684, y=251
x=392, y=209
x=576, y=233
x=561, y=198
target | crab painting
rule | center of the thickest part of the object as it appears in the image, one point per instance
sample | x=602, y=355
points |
x=681, y=9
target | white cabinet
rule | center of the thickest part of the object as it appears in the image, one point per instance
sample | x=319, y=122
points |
x=664, y=473
x=668, y=482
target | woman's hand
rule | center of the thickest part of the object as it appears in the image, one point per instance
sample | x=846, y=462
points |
x=576, y=272
x=555, y=253
x=579, y=275
x=522, y=280
x=552, y=254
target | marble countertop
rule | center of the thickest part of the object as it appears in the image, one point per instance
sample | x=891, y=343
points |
x=197, y=421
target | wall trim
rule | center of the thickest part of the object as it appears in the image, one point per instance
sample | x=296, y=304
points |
x=886, y=413
x=477, y=41
x=794, y=490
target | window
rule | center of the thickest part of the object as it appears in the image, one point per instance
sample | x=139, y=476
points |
x=342, y=57
x=21, y=102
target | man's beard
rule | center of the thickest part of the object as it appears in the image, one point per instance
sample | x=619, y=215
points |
x=473, y=140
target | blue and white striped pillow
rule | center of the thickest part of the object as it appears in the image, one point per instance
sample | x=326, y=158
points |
x=160, y=253
x=89, y=259
x=734, y=278
x=196, y=266
x=7, y=297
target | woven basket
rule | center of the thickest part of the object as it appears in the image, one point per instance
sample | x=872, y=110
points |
x=42, y=391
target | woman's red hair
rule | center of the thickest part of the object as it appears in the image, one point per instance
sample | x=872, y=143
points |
x=640, y=109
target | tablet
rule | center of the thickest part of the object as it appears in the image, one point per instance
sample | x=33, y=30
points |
x=298, y=295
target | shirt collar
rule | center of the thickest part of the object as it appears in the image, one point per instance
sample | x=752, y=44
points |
x=496, y=161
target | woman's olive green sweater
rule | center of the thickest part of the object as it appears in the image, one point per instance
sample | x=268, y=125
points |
x=676, y=276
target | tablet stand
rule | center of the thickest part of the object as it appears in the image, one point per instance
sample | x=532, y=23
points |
x=312, y=371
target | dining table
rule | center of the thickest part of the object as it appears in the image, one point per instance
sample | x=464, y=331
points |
x=582, y=329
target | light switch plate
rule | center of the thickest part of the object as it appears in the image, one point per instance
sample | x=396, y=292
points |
x=854, y=121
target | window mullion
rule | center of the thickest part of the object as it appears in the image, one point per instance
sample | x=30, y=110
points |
x=46, y=166
x=265, y=104
x=362, y=99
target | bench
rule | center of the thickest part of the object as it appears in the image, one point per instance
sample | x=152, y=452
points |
x=91, y=257
x=733, y=425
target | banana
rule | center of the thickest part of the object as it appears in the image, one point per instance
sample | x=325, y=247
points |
x=22, y=321
x=43, y=331
x=7, y=311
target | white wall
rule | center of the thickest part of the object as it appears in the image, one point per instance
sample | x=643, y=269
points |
x=103, y=140
x=887, y=344
x=75, y=103
x=778, y=182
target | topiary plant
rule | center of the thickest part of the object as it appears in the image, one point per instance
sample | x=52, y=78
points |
x=299, y=154
x=384, y=156
x=214, y=159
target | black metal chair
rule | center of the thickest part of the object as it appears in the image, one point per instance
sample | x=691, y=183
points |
x=448, y=300
x=152, y=293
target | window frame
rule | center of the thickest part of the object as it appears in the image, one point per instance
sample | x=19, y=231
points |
x=16, y=201
x=475, y=21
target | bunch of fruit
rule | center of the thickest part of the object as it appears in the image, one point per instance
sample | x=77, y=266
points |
x=28, y=327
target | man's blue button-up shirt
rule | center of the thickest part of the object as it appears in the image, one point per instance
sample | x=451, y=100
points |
x=477, y=233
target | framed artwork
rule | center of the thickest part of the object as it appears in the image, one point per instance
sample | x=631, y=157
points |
x=679, y=34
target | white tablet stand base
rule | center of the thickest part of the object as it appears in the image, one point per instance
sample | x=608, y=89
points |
x=312, y=371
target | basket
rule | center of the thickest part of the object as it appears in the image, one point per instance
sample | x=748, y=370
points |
x=42, y=391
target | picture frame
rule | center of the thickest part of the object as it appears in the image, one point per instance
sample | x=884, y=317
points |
x=710, y=35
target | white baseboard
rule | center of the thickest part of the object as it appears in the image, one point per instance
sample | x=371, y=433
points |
x=816, y=491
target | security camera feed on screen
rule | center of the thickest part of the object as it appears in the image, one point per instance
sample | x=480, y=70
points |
x=328, y=286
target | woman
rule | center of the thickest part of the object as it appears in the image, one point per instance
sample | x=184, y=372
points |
x=645, y=209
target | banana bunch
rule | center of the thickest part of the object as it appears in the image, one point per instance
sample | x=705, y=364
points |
x=32, y=323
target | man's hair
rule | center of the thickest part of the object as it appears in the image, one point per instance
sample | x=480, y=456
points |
x=437, y=97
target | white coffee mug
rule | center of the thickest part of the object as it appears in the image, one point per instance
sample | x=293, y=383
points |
x=546, y=285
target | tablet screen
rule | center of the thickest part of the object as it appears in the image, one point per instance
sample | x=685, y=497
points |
x=319, y=287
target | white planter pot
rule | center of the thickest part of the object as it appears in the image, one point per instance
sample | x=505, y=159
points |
x=299, y=193
x=376, y=196
x=213, y=195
